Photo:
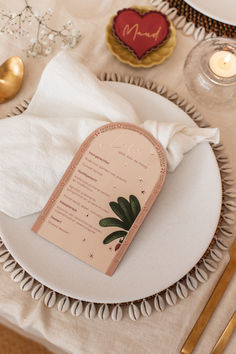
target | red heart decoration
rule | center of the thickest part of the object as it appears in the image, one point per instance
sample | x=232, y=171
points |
x=141, y=33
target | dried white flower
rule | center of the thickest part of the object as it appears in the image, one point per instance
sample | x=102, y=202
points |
x=48, y=50
x=43, y=37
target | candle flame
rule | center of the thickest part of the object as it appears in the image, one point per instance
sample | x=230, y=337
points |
x=227, y=58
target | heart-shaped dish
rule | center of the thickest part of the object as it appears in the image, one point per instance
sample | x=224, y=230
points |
x=155, y=57
x=141, y=33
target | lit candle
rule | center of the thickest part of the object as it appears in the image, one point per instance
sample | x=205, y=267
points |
x=223, y=63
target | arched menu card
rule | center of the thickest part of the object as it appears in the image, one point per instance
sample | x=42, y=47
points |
x=104, y=195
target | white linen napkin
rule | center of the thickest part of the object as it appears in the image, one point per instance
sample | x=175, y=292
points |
x=37, y=146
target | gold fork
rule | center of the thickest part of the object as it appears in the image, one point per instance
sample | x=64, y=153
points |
x=216, y=295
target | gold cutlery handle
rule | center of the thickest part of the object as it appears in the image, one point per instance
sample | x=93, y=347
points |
x=225, y=336
x=203, y=319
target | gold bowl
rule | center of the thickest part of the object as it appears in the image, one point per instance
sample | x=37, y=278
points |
x=11, y=76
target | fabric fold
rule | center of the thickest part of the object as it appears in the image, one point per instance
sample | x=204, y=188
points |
x=177, y=138
x=69, y=104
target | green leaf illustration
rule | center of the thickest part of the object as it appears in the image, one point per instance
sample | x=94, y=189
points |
x=106, y=222
x=114, y=235
x=135, y=206
x=119, y=212
x=127, y=211
x=125, y=205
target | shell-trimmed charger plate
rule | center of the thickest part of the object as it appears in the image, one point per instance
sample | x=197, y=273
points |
x=157, y=259
x=153, y=58
x=176, y=233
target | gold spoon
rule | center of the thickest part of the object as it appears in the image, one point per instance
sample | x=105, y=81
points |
x=11, y=76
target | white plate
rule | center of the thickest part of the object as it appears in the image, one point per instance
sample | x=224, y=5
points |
x=223, y=11
x=172, y=239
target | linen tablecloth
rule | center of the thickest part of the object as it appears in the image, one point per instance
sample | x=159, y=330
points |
x=162, y=333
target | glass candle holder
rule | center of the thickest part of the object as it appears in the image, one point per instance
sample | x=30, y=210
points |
x=210, y=73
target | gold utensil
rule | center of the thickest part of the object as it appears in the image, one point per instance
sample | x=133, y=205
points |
x=225, y=336
x=218, y=292
x=11, y=76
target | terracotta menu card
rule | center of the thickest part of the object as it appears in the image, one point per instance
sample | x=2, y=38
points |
x=104, y=195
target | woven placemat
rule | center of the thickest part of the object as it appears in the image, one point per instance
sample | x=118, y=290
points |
x=13, y=343
x=210, y=25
